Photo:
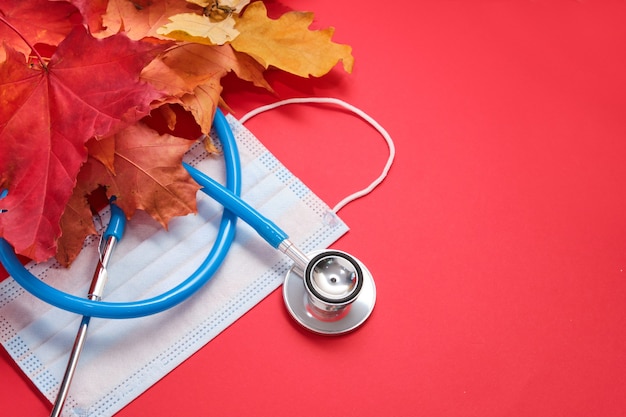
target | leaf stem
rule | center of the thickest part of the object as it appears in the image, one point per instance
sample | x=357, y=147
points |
x=14, y=29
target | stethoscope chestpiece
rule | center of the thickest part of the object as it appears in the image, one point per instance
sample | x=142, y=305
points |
x=334, y=295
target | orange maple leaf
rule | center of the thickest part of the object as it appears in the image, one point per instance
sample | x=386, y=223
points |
x=148, y=173
x=191, y=74
x=76, y=224
x=139, y=19
x=142, y=169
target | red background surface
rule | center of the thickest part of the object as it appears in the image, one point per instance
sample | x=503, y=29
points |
x=498, y=242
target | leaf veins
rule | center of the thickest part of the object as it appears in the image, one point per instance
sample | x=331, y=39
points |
x=47, y=116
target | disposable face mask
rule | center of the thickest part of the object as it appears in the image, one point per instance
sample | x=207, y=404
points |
x=122, y=358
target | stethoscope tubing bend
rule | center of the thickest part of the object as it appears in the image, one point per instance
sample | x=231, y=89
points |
x=181, y=292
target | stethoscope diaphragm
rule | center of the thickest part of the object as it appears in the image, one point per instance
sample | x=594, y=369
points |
x=338, y=293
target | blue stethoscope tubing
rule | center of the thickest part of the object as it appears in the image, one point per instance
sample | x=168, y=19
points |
x=234, y=207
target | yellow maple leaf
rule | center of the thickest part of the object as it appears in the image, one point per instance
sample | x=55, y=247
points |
x=288, y=44
x=201, y=29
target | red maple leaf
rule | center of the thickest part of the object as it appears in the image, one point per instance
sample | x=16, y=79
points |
x=26, y=17
x=90, y=87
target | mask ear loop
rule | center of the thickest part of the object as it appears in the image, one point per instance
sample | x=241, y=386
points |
x=369, y=119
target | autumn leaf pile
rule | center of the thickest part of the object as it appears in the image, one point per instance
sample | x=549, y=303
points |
x=78, y=79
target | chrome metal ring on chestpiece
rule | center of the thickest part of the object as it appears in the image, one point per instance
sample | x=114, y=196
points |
x=334, y=295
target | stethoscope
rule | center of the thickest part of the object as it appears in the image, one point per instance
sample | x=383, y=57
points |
x=328, y=292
